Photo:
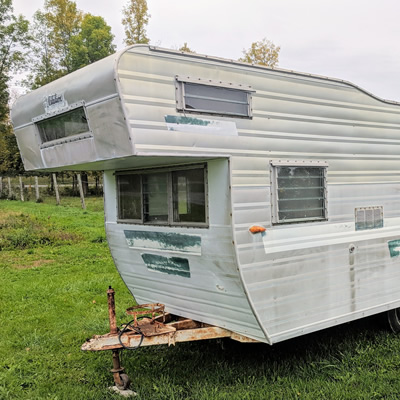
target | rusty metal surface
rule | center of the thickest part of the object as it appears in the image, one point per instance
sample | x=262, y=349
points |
x=111, y=310
x=142, y=310
x=132, y=339
x=149, y=327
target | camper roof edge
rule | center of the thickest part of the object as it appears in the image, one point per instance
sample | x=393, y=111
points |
x=263, y=67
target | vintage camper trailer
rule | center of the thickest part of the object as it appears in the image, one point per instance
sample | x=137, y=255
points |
x=262, y=201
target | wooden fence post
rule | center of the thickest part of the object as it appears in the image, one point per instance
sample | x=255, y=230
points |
x=37, y=189
x=9, y=188
x=21, y=188
x=56, y=189
x=81, y=191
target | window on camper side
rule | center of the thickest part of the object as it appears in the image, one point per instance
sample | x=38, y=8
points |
x=64, y=125
x=213, y=99
x=165, y=197
x=299, y=193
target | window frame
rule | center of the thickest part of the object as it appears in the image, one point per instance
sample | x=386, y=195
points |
x=170, y=195
x=58, y=113
x=180, y=96
x=274, y=164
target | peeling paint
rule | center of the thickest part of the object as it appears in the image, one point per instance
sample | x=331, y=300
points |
x=394, y=248
x=166, y=241
x=200, y=125
x=167, y=265
x=173, y=119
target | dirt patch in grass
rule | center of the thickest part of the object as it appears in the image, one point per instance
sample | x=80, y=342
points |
x=33, y=264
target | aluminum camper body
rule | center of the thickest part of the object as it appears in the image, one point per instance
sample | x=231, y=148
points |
x=314, y=161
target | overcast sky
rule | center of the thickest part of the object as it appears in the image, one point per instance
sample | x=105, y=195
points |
x=353, y=40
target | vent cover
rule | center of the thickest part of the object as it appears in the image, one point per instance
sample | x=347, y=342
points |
x=369, y=218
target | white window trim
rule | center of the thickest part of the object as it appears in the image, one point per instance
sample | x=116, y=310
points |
x=274, y=189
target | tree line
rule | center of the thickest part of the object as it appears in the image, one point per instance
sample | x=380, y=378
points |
x=61, y=39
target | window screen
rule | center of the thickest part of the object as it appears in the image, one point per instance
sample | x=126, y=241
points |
x=300, y=194
x=213, y=99
x=173, y=197
x=64, y=125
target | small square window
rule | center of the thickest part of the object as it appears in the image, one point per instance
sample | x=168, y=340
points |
x=298, y=192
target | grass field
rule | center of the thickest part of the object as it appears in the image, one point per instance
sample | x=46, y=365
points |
x=55, y=268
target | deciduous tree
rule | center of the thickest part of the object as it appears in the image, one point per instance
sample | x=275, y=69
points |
x=135, y=20
x=45, y=62
x=93, y=42
x=63, y=20
x=263, y=52
x=14, y=40
x=186, y=48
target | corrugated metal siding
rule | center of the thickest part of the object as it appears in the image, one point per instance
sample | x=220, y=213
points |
x=299, y=278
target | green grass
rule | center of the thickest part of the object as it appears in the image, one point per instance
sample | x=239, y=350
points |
x=55, y=268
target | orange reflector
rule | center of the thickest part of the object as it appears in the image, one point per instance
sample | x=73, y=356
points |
x=257, y=229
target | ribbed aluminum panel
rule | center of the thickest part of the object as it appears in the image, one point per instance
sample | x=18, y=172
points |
x=214, y=292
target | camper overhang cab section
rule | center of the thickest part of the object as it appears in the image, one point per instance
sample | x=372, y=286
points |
x=258, y=200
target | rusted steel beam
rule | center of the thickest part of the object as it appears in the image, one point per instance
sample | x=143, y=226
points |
x=131, y=339
x=111, y=310
x=185, y=324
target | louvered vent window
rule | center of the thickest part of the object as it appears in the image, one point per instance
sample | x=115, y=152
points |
x=208, y=97
x=369, y=218
x=299, y=193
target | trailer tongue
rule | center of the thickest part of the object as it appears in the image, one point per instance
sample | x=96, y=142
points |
x=150, y=326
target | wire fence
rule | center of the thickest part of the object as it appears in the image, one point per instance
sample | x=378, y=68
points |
x=36, y=188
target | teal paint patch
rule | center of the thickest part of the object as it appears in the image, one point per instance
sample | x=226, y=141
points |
x=394, y=248
x=167, y=241
x=167, y=265
x=173, y=119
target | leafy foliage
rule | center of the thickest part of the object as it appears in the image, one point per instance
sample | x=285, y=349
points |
x=10, y=159
x=63, y=20
x=94, y=42
x=135, y=19
x=14, y=41
x=263, y=52
x=44, y=66
x=186, y=48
